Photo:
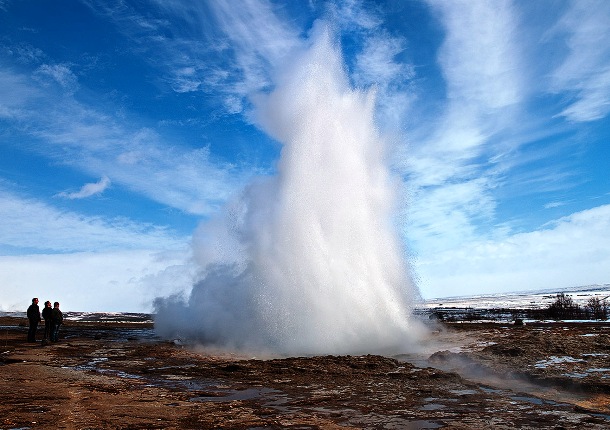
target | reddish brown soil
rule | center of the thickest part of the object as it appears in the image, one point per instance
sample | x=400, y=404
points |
x=101, y=376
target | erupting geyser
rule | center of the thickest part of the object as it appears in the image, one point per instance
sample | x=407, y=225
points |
x=308, y=261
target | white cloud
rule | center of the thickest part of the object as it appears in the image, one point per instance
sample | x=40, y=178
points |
x=15, y=93
x=593, y=99
x=93, y=141
x=586, y=69
x=377, y=65
x=121, y=281
x=255, y=31
x=88, y=190
x=451, y=162
x=552, y=205
x=479, y=56
x=59, y=73
x=481, y=62
x=444, y=217
x=351, y=14
x=26, y=54
x=570, y=251
x=247, y=41
x=32, y=224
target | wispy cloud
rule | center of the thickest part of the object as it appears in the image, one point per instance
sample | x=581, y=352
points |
x=31, y=224
x=352, y=15
x=552, y=205
x=88, y=190
x=444, y=217
x=451, y=176
x=25, y=53
x=15, y=95
x=480, y=62
x=256, y=31
x=98, y=143
x=585, y=72
x=377, y=65
x=247, y=43
x=479, y=58
x=57, y=73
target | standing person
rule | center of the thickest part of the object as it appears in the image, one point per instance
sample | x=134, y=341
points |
x=34, y=318
x=47, y=314
x=58, y=319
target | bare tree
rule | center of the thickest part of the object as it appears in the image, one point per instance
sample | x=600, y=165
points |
x=564, y=308
x=597, y=308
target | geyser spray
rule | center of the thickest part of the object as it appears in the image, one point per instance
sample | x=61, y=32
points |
x=308, y=261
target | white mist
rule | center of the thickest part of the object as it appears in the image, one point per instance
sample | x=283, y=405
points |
x=308, y=261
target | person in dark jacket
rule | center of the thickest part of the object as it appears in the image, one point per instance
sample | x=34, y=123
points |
x=34, y=318
x=47, y=314
x=58, y=319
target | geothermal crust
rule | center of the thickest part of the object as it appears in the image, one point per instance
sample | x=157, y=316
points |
x=478, y=375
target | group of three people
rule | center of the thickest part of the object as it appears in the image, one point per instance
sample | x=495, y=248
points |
x=53, y=319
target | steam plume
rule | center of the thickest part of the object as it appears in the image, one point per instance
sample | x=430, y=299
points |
x=309, y=260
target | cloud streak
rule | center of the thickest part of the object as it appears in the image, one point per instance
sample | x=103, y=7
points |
x=585, y=72
x=33, y=225
x=137, y=158
x=57, y=73
x=478, y=56
x=451, y=178
x=88, y=190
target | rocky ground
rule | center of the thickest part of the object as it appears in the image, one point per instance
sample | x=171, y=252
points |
x=466, y=376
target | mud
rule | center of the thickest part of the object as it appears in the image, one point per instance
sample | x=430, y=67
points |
x=466, y=376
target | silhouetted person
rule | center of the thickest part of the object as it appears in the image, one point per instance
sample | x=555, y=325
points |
x=58, y=319
x=47, y=314
x=34, y=318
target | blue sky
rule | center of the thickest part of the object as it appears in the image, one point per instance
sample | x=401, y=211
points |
x=124, y=125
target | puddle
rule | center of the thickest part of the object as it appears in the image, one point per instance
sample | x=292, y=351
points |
x=166, y=380
x=432, y=407
x=116, y=334
x=335, y=413
x=463, y=392
x=422, y=424
x=395, y=422
x=527, y=399
x=576, y=375
x=118, y=373
x=491, y=390
x=235, y=395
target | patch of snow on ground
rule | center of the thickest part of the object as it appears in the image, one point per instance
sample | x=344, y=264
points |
x=554, y=360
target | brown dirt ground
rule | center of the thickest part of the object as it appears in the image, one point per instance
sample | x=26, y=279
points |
x=470, y=376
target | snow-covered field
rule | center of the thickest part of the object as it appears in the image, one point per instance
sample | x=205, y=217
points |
x=521, y=300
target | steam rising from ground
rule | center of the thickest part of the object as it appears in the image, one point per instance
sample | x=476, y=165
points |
x=309, y=260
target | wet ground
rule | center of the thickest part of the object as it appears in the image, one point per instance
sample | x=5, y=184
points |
x=466, y=376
